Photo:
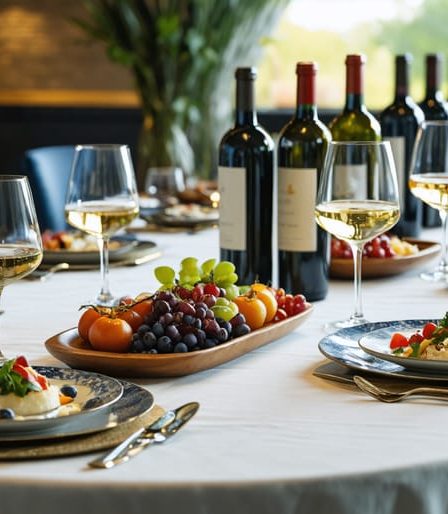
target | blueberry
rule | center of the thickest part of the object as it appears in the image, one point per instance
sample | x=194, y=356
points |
x=164, y=345
x=69, y=390
x=201, y=336
x=180, y=348
x=142, y=329
x=208, y=343
x=149, y=340
x=222, y=335
x=173, y=333
x=197, y=323
x=153, y=351
x=190, y=340
x=137, y=346
x=225, y=324
x=158, y=330
x=189, y=320
x=240, y=330
x=7, y=414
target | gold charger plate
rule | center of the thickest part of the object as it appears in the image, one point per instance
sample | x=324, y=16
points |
x=376, y=268
x=69, y=348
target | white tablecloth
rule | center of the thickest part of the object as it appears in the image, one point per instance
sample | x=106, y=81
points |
x=269, y=436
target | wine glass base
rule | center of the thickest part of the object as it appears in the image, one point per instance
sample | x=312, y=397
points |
x=434, y=276
x=106, y=300
x=332, y=326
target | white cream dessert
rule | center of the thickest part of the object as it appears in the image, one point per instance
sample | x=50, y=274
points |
x=24, y=391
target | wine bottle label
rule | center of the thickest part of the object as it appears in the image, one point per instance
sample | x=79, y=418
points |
x=351, y=182
x=398, y=145
x=297, y=188
x=232, y=208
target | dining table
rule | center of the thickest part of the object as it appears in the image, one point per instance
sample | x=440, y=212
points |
x=269, y=436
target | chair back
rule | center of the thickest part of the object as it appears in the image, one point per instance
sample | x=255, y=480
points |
x=48, y=170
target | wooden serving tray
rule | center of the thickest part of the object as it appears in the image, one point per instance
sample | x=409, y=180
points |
x=376, y=268
x=69, y=348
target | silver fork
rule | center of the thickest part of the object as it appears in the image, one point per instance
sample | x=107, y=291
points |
x=385, y=395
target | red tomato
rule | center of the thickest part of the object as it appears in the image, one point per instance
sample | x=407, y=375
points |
x=280, y=315
x=133, y=318
x=398, y=340
x=253, y=310
x=428, y=330
x=86, y=320
x=110, y=335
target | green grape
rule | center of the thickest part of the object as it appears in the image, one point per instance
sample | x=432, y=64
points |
x=222, y=301
x=223, y=268
x=244, y=289
x=226, y=280
x=207, y=266
x=223, y=312
x=232, y=291
x=165, y=275
x=187, y=277
x=189, y=264
x=234, y=307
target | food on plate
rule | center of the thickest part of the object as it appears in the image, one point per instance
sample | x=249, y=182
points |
x=430, y=342
x=73, y=241
x=381, y=247
x=191, y=211
x=25, y=392
x=197, y=308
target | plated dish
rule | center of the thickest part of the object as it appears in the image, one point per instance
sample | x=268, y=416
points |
x=377, y=343
x=95, y=392
x=383, y=267
x=69, y=348
x=186, y=215
x=342, y=347
x=133, y=403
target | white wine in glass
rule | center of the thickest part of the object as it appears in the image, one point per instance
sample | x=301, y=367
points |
x=357, y=201
x=20, y=240
x=102, y=199
x=429, y=182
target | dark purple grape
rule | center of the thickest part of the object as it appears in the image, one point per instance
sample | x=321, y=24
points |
x=158, y=330
x=149, y=340
x=186, y=308
x=222, y=292
x=137, y=346
x=211, y=326
x=209, y=300
x=164, y=345
x=201, y=305
x=142, y=329
x=166, y=319
x=201, y=336
x=190, y=340
x=210, y=343
x=135, y=336
x=222, y=335
x=240, y=330
x=181, y=348
x=172, y=332
x=239, y=319
x=173, y=302
x=197, y=323
x=209, y=314
x=161, y=307
x=178, y=317
x=200, y=312
x=225, y=324
x=188, y=320
x=151, y=318
x=165, y=295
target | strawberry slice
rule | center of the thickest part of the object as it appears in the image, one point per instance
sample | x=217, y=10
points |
x=25, y=373
x=21, y=359
x=398, y=341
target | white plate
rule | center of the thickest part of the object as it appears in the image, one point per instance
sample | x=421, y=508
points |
x=134, y=402
x=95, y=393
x=376, y=343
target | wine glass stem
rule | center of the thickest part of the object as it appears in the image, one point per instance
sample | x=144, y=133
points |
x=357, y=263
x=103, y=245
x=443, y=262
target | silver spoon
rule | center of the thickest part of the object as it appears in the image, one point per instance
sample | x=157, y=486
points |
x=385, y=395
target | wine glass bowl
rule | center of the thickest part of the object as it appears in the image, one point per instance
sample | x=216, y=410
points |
x=429, y=182
x=102, y=199
x=20, y=239
x=357, y=201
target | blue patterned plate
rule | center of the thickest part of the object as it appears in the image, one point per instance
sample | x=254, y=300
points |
x=376, y=343
x=95, y=393
x=342, y=347
x=134, y=402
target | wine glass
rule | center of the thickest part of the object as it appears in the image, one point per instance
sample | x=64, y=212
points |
x=20, y=241
x=163, y=184
x=101, y=199
x=429, y=181
x=357, y=200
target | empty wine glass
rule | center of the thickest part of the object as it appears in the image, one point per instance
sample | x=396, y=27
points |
x=20, y=241
x=101, y=199
x=357, y=201
x=429, y=182
x=163, y=184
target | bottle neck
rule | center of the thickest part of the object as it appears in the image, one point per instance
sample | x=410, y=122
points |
x=245, y=103
x=432, y=78
x=401, y=79
x=354, y=91
x=306, y=96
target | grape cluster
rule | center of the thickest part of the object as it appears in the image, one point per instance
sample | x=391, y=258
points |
x=379, y=248
x=178, y=325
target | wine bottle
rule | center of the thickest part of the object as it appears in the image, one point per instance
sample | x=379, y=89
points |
x=355, y=123
x=399, y=124
x=246, y=187
x=303, y=246
x=434, y=108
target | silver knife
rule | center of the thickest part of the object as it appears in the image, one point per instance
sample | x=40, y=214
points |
x=158, y=432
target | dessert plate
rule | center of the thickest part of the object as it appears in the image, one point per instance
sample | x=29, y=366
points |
x=376, y=343
x=376, y=268
x=134, y=402
x=95, y=393
x=342, y=347
x=68, y=347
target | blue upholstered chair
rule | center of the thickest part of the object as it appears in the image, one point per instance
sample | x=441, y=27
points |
x=48, y=170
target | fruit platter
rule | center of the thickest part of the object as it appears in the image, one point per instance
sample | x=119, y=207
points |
x=386, y=255
x=197, y=319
